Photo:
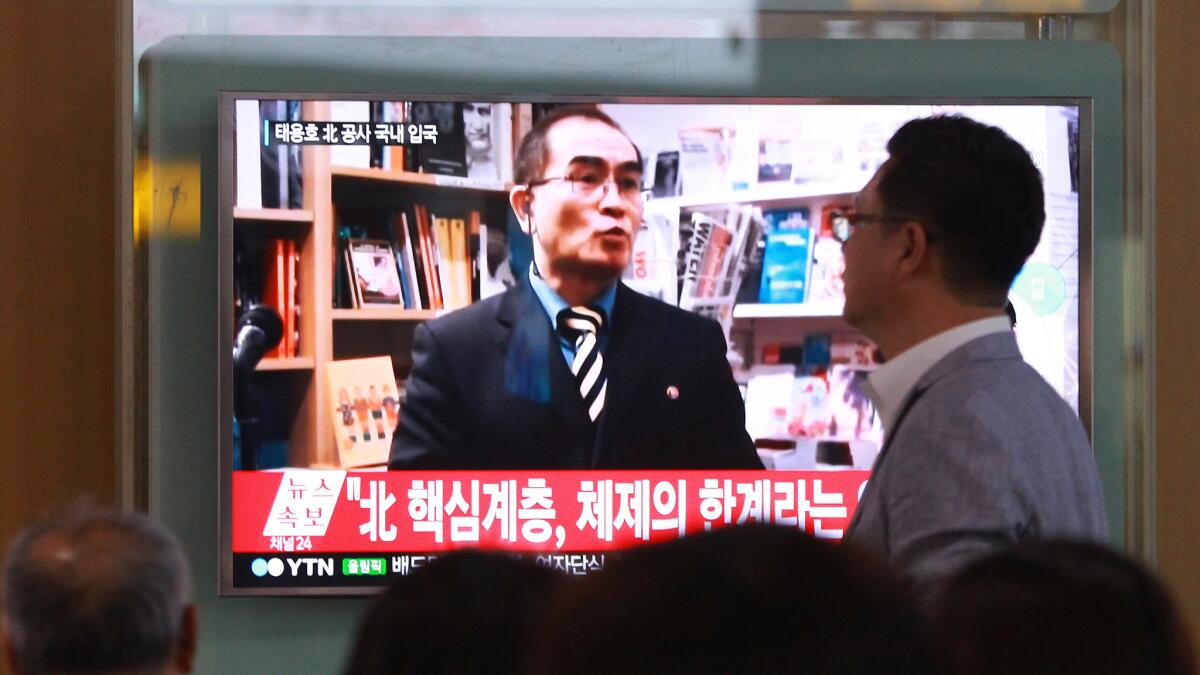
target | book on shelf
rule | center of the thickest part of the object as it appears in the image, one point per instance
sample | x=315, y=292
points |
x=475, y=233
x=291, y=322
x=274, y=288
x=821, y=351
x=441, y=261
x=445, y=265
x=693, y=246
x=393, y=155
x=415, y=262
x=358, y=156
x=487, y=130
x=248, y=138
x=714, y=258
x=652, y=269
x=442, y=153
x=664, y=180
x=460, y=266
x=783, y=403
x=705, y=155
x=279, y=289
x=351, y=283
x=756, y=245
x=269, y=175
x=364, y=408
x=429, y=256
x=343, y=282
x=775, y=154
x=825, y=282
x=787, y=256
x=376, y=279
x=495, y=267
x=747, y=224
x=399, y=243
x=376, y=149
x=852, y=414
x=768, y=401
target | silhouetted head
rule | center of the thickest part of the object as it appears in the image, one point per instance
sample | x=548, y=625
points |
x=98, y=591
x=750, y=599
x=466, y=612
x=1058, y=607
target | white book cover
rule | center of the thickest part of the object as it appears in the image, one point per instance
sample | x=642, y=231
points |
x=247, y=146
x=350, y=155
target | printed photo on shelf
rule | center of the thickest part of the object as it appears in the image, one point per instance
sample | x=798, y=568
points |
x=376, y=280
x=365, y=408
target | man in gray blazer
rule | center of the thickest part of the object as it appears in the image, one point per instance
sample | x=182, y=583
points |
x=980, y=452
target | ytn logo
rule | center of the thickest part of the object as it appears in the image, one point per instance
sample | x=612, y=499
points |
x=313, y=567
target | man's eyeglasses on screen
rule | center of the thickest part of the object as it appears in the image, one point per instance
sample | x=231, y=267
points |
x=592, y=181
x=846, y=223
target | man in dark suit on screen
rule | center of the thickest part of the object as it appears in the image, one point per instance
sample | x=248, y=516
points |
x=570, y=369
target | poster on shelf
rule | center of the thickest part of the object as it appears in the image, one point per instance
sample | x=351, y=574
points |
x=364, y=409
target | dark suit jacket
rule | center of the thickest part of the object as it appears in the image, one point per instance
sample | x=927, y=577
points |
x=490, y=389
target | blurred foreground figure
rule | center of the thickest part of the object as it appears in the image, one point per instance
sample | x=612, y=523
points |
x=97, y=591
x=1060, y=608
x=466, y=612
x=752, y=599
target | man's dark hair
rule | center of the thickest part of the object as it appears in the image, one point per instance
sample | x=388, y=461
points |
x=746, y=599
x=94, y=590
x=466, y=612
x=534, y=151
x=978, y=192
x=1057, y=607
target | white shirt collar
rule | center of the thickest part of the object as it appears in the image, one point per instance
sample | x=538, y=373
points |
x=890, y=384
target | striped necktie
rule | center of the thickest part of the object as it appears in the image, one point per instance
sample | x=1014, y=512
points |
x=582, y=325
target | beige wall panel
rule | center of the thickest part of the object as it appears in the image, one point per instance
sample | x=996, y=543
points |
x=58, y=114
x=1177, y=320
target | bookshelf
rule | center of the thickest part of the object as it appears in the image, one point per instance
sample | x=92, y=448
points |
x=384, y=314
x=788, y=310
x=768, y=195
x=292, y=363
x=274, y=215
x=754, y=324
x=334, y=194
x=387, y=176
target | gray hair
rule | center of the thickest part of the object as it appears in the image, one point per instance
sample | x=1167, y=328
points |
x=92, y=590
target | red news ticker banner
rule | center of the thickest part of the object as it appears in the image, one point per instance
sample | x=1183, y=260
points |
x=369, y=511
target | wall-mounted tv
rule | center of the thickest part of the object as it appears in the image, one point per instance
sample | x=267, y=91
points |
x=385, y=394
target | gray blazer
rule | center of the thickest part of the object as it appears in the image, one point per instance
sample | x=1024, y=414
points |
x=983, y=454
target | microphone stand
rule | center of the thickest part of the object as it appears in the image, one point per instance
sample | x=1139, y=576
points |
x=259, y=330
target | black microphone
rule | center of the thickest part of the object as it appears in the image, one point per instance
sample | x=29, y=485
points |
x=259, y=330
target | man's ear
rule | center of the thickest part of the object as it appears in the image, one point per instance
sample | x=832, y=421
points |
x=519, y=197
x=185, y=649
x=915, y=255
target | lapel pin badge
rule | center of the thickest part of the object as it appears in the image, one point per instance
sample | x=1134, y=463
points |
x=672, y=392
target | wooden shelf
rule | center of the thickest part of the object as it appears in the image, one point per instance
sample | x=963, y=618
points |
x=385, y=314
x=764, y=192
x=274, y=215
x=299, y=363
x=826, y=308
x=411, y=178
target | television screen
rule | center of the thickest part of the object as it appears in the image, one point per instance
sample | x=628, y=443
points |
x=407, y=376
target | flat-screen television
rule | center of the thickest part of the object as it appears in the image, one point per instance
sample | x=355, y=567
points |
x=368, y=243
